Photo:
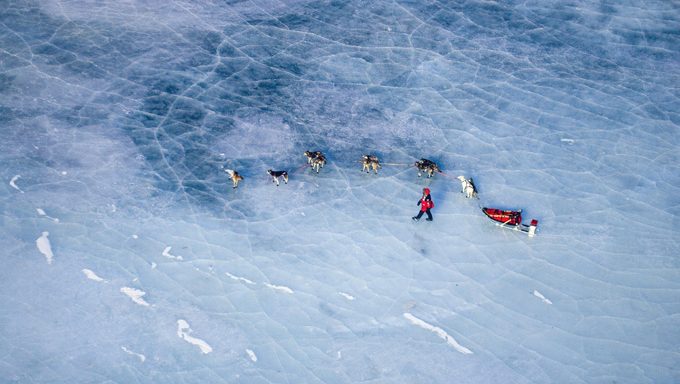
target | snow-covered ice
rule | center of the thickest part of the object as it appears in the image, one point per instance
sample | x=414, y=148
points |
x=239, y=278
x=438, y=331
x=13, y=183
x=90, y=274
x=118, y=119
x=141, y=357
x=183, y=331
x=135, y=294
x=45, y=247
x=540, y=296
x=251, y=355
x=41, y=212
x=280, y=288
x=346, y=295
x=166, y=253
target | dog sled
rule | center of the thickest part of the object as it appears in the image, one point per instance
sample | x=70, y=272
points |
x=510, y=220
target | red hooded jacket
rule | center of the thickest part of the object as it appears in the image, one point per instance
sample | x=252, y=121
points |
x=426, y=201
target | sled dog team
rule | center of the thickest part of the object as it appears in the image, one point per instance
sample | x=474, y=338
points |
x=316, y=160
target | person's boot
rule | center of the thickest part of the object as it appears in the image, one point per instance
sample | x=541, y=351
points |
x=414, y=218
x=428, y=219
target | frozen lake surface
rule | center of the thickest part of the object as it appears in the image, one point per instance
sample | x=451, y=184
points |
x=129, y=258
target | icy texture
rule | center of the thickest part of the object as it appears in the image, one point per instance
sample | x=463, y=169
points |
x=118, y=119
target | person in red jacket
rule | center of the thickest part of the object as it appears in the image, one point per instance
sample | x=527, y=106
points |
x=426, y=204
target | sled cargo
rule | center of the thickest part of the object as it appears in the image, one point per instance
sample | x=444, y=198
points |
x=510, y=220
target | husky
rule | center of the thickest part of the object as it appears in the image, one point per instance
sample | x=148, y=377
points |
x=276, y=174
x=370, y=161
x=468, y=187
x=312, y=155
x=318, y=162
x=234, y=176
x=426, y=166
x=316, y=159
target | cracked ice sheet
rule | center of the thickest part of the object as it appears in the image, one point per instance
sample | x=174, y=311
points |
x=567, y=112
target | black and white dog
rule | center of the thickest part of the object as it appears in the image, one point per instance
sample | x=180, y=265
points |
x=316, y=159
x=468, y=187
x=276, y=174
x=426, y=166
x=311, y=155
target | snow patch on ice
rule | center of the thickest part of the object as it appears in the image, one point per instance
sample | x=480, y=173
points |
x=183, y=331
x=279, y=288
x=166, y=253
x=238, y=278
x=438, y=331
x=41, y=212
x=346, y=295
x=252, y=355
x=141, y=357
x=540, y=296
x=91, y=275
x=135, y=295
x=13, y=183
x=44, y=246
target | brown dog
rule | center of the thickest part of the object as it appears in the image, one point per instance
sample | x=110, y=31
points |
x=234, y=176
x=370, y=161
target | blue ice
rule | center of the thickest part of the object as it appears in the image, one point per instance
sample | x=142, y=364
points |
x=129, y=258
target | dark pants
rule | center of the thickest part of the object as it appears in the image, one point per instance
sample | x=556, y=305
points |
x=420, y=214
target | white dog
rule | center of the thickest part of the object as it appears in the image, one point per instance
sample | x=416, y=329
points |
x=468, y=186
